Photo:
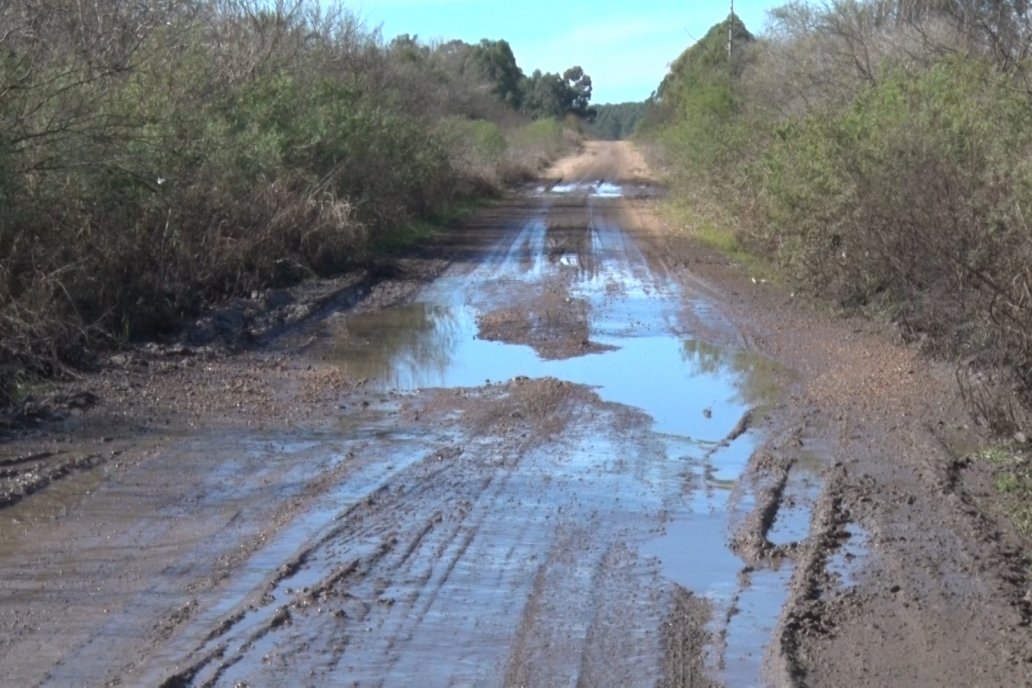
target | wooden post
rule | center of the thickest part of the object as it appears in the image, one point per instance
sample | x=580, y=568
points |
x=730, y=32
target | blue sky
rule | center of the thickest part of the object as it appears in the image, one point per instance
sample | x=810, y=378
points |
x=626, y=45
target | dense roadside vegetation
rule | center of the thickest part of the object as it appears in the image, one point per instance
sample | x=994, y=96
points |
x=617, y=121
x=156, y=156
x=880, y=153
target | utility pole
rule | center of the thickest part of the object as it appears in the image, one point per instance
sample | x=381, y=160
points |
x=730, y=32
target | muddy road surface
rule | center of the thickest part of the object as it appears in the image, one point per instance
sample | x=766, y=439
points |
x=565, y=447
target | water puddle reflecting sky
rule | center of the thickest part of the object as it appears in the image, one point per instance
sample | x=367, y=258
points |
x=846, y=562
x=425, y=345
x=695, y=393
x=599, y=188
x=686, y=385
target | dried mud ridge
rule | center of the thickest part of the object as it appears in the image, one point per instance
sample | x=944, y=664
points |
x=191, y=517
x=257, y=324
x=22, y=476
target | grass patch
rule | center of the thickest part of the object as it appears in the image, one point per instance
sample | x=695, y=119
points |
x=687, y=217
x=405, y=238
x=1012, y=472
x=418, y=232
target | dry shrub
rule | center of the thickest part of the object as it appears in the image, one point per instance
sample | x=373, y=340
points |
x=1010, y=312
x=157, y=156
x=533, y=146
x=246, y=239
x=880, y=153
x=39, y=334
x=996, y=399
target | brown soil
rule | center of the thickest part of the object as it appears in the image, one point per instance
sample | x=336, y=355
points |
x=159, y=519
x=944, y=595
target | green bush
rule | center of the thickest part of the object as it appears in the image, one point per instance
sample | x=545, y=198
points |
x=477, y=149
x=179, y=155
x=914, y=194
x=878, y=169
x=534, y=145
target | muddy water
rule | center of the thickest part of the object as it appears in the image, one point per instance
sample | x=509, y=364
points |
x=520, y=510
x=693, y=393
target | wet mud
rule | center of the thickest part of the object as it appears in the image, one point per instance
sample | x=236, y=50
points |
x=566, y=449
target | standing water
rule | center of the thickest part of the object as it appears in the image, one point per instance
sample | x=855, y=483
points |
x=644, y=358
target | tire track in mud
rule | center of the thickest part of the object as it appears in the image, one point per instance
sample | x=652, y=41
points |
x=313, y=577
x=506, y=533
x=907, y=608
x=381, y=498
x=595, y=603
x=628, y=509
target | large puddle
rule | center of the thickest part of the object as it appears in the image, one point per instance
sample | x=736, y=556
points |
x=694, y=392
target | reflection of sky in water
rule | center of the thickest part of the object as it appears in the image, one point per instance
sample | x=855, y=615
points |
x=426, y=345
x=694, y=391
x=687, y=386
x=848, y=558
x=600, y=189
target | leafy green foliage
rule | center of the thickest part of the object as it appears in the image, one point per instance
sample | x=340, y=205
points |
x=696, y=109
x=617, y=121
x=917, y=185
x=554, y=95
x=700, y=80
x=1013, y=474
x=183, y=153
x=494, y=61
x=881, y=158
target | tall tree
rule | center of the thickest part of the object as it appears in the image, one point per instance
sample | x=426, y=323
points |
x=494, y=61
x=555, y=95
x=578, y=92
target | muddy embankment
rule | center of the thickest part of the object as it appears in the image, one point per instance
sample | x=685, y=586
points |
x=567, y=448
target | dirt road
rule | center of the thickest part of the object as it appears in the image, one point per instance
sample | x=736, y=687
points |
x=565, y=447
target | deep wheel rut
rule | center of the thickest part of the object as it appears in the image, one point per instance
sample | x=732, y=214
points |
x=560, y=462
